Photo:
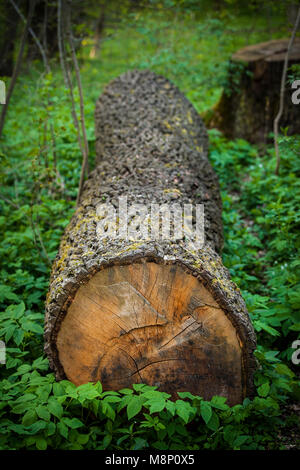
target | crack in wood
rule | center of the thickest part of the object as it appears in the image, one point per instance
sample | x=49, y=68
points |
x=157, y=362
x=178, y=334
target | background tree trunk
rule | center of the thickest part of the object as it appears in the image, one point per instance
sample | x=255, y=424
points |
x=156, y=311
x=292, y=10
x=99, y=28
x=250, y=101
x=18, y=63
x=8, y=27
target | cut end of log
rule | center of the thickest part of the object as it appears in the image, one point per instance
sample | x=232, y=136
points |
x=154, y=324
x=270, y=51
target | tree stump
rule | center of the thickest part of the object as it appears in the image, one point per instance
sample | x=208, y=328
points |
x=157, y=311
x=250, y=102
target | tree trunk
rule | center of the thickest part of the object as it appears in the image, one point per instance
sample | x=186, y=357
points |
x=8, y=28
x=292, y=10
x=250, y=102
x=18, y=63
x=98, y=31
x=161, y=311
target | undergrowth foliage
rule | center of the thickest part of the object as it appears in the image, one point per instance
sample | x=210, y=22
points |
x=261, y=224
x=262, y=253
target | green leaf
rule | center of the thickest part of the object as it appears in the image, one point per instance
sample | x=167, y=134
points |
x=98, y=387
x=28, y=325
x=41, y=443
x=63, y=430
x=22, y=407
x=183, y=409
x=73, y=423
x=18, y=310
x=284, y=370
x=214, y=422
x=29, y=417
x=50, y=428
x=106, y=441
x=142, y=387
x=87, y=392
x=219, y=403
x=171, y=407
x=295, y=327
x=23, y=369
x=126, y=391
x=240, y=440
x=124, y=402
x=112, y=399
x=26, y=397
x=186, y=395
x=55, y=408
x=41, y=363
x=18, y=336
x=9, y=332
x=263, y=390
x=271, y=356
x=58, y=389
x=36, y=427
x=43, y=412
x=7, y=293
x=134, y=406
x=139, y=443
x=229, y=434
x=263, y=326
x=155, y=395
x=156, y=405
x=108, y=410
x=206, y=411
x=83, y=438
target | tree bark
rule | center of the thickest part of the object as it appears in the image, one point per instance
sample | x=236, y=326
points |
x=158, y=311
x=250, y=102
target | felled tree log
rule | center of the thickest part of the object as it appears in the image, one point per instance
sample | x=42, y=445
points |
x=156, y=311
x=250, y=101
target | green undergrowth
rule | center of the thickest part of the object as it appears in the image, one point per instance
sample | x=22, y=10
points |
x=261, y=226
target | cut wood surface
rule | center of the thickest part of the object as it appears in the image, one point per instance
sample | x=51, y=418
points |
x=270, y=51
x=250, y=103
x=156, y=311
x=150, y=323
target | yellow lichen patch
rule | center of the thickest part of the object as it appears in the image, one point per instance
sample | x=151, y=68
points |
x=88, y=253
x=189, y=117
x=167, y=124
x=171, y=165
x=64, y=251
x=173, y=190
x=134, y=246
x=223, y=285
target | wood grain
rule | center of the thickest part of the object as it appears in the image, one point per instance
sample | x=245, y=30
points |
x=154, y=324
